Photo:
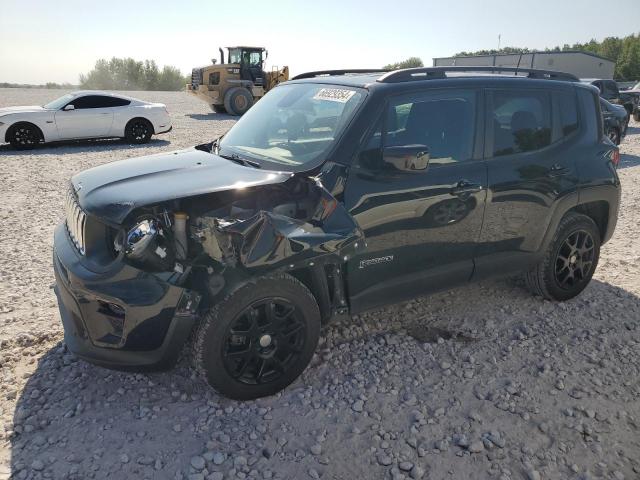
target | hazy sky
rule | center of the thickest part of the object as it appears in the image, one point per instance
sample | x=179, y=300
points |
x=56, y=40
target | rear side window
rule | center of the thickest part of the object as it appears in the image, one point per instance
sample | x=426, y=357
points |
x=521, y=121
x=444, y=121
x=116, y=102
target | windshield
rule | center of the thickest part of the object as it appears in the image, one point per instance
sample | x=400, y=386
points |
x=293, y=124
x=58, y=103
x=637, y=86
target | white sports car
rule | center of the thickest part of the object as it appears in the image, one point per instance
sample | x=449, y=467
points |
x=86, y=114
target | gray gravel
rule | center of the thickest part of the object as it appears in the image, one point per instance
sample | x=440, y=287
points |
x=483, y=381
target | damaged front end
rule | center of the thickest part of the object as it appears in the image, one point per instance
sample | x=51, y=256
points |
x=171, y=261
x=213, y=243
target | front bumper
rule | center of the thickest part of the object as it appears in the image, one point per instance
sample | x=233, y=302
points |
x=120, y=317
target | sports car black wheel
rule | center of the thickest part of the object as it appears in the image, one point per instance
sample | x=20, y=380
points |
x=24, y=136
x=138, y=130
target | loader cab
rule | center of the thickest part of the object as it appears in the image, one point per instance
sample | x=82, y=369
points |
x=251, y=61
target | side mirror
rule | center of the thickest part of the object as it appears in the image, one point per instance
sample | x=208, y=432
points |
x=407, y=158
x=68, y=108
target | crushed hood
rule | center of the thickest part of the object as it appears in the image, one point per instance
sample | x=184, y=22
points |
x=33, y=108
x=113, y=190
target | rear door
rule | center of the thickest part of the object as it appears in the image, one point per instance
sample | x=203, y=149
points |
x=421, y=227
x=92, y=116
x=529, y=147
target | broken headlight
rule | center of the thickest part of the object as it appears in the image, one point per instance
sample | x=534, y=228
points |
x=145, y=244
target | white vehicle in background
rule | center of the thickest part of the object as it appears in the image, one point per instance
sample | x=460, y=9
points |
x=81, y=115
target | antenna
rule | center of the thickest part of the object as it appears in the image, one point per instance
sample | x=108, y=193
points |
x=515, y=74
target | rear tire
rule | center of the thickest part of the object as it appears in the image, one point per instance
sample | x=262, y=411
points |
x=570, y=260
x=259, y=339
x=218, y=108
x=24, y=136
x=237, y=101
x=138, y=130
x=636, y=116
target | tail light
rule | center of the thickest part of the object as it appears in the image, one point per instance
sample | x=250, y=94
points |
x=615, y=157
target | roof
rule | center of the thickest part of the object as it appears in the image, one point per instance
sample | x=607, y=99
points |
x=563, y=52
x=97, y=92
x=366, y=78
x=248, y=48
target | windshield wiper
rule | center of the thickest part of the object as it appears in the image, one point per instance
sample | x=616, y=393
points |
x=234, y=157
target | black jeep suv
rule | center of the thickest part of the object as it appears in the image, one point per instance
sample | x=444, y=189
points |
x=338, y=192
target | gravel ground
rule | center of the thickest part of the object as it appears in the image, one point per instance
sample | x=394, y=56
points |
x=483, y=381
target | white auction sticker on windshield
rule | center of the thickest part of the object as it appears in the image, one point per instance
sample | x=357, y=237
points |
x=341, y=95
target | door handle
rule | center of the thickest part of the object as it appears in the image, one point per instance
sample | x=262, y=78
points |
x=105, y=113
x=557, y=170
x=465, y=187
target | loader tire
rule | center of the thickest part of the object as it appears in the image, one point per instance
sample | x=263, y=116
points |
x=237, y=101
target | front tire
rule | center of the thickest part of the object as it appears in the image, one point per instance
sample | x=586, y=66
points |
x=24, y=136
x=258, y=339
x=237, y=101
x=570, y=260
x=138, y=130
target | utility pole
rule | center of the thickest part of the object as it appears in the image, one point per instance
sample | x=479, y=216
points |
x=499, y=35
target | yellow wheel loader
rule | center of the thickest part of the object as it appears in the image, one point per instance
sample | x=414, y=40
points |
x=234, y=86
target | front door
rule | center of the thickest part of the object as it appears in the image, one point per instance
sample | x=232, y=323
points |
x=91, y=117
x=421, y=226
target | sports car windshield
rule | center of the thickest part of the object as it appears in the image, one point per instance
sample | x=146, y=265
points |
x=293, y=124
x=58, y=103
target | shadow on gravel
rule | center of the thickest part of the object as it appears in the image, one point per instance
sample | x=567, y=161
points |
x=211, y=116
x=633, y=130
x=74, y=420
x=79, y=146
x=627, y=161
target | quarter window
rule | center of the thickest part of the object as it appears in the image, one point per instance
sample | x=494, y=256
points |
x=568, y=113
x=521, y=121
x=443, y=121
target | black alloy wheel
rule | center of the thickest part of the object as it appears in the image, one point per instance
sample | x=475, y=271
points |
x=574, y=259
x=139, y=131
x=24, y=136
x=264, y=341
x=569, y=261
x=259, y=338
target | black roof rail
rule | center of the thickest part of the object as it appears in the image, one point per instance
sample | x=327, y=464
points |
x=411, y=74
x=320, y=73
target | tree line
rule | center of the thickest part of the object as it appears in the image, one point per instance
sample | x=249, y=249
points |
x=130, y=74
x=624, y=51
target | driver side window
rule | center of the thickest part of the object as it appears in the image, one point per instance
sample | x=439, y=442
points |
x=442, y=121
